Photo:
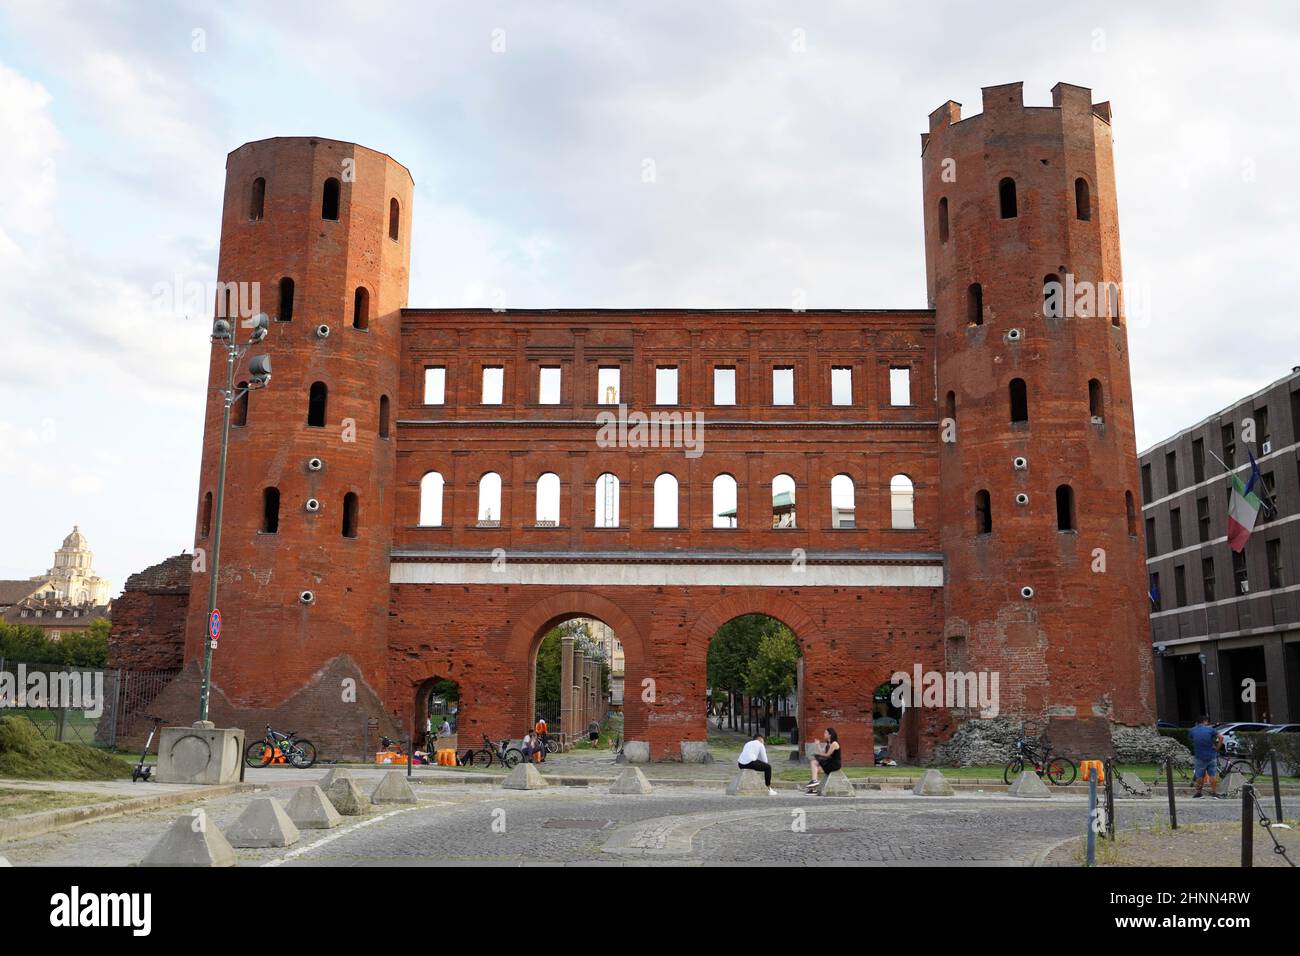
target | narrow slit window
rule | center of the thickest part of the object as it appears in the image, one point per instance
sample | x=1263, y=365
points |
x=361, y=309
x=943, y=219
x=257, y=202
x=350, y=509
x=1007, y=198
x=205, y=523
x=1082, y=200
x=974, y=304
x=1019, y=395
x=394, y=218
x=239, y=411
x=286, y=300
x=1096, y=404
x=329, y=200
x=983, y=512
x=383, y=416
x=1053, y=297
x=316, y=401
x=270, y=510
x=1065, y=517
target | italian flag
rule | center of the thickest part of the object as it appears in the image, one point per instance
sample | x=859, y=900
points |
x=1243, y=506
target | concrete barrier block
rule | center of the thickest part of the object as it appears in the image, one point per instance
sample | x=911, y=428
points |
x=631, y=780
x=932, y=784
x=1130, y=785
x=747, y=783
x=695, y=751
x=347, y=797
x=394, y=788
x=201, y=754
x=1029, y=785
x=525, y=777
x=191, y=840
x=636, y=751
x=263, y=823
x=310, y=810
x=836, y=784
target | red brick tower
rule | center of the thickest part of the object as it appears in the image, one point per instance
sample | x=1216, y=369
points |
x=1040, y=509
x=321, y=229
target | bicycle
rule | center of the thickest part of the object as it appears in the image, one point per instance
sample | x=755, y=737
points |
x=276, y=747
x=508, y=756
x=1226, y=762
x=1059, y=771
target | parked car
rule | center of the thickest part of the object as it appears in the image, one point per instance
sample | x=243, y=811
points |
x=1230, y=730
x=1285, y=729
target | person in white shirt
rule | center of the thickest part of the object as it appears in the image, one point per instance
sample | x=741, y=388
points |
x=753, y=756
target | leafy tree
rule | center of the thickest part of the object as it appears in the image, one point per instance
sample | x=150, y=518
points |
x=772, y=671
x=548, y=667
x=28, y=643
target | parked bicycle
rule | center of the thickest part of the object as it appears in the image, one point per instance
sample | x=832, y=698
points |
x=1057, y=770
x=1226, y=762
x=503, y=753
x=276, y=746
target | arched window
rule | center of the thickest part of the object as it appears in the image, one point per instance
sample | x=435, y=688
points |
x=383, y=416
x=975, y=304
x=1096, y=406
x=1111, y=290
x=489, y=500
x=843, y=513
x=329, y=200
x=286, y=300
x=1082, y=200
x=270, y=510
x=607, y=501
x=205, y=521
x=1053, y=297
x=950, y=406
x=239, y=410
x=902, y=502
x=1130, y=510
x=257, y=202
x=943, y=219
x=548, y=500
x=316, y=405
x=361, y=309
x=1065, y=520
x=431, y=500
x=724, y=502
x=783, y=513
x=1019, y=401
x=665, y=515
x=983, y=512
x=394, y=218
x=1007, y=198
x=350, y=508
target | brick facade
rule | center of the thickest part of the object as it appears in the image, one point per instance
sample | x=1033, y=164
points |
x=469, y=596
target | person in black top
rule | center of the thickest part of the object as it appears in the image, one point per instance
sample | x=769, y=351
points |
x=828, y=761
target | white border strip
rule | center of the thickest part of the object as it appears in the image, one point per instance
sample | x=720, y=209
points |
x=793, y=574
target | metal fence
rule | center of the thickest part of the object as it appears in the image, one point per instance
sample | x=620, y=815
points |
x=95, y=706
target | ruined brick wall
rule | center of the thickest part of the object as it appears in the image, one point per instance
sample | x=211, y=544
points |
x=148, y=630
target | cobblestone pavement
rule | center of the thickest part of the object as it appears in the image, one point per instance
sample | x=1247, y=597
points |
x=484, y=824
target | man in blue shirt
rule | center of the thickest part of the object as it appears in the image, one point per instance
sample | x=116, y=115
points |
x=1205, y=746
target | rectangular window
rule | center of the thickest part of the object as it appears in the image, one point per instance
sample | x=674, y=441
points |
x=494, y=378
x=1266, y=511
x=1274, y=549
x=900, y=386
x=724, y=385
x=1180, y=585
x=548, y=385
x=607, y=386
x=842, y=385
x=1228, y=435
x=1171, y=472
x=1295, y=415
x=1151, y=537
x=666, y=385
x=435, y=385
x=1203, y=519
x=1175, y=528
x=1239, y=573
x=1263, y=436
x=1147, y=496
x=1155, y=591
x=1207, y=578
x=783, y=386
x=1198, y=460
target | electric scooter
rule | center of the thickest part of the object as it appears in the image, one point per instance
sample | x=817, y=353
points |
x=142, y=770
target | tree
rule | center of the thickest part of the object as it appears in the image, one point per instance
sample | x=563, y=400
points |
x=548, y=668
x=772, y=672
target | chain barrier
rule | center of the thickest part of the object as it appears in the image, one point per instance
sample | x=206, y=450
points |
x=1267, y=824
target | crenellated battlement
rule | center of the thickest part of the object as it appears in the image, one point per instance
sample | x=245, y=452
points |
x=1008, y=98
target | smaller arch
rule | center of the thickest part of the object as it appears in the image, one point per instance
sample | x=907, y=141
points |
x=607, y=493
x=902, y=502
x=489, y=500
x=725, y=510
x=329, y=200
x=270, y=510
x=317, y=399
x=665, y=501
x=394, y=218
x=431, y=487
x=257, y=200
x=983, y=512
x=974, y=304
x=548, y=500
x=1018, y=393
x=285, y=313
x=383, y=416
x=205, y=521
x=1007, y=207
x=1096, y=401
x=843, y=502
x=1053, y=297
x=943, y=219
x=783, y=502
x=1130, y=510
x=1082, y=200
x=1065, y=514
x=351, y=509
x=361, y=308
x=950, y=406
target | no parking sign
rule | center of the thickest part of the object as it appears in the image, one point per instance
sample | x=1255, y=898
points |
x=214, y=627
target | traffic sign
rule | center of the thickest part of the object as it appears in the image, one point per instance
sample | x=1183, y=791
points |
x=214, y=624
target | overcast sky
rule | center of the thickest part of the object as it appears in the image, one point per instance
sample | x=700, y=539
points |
x=785, y=143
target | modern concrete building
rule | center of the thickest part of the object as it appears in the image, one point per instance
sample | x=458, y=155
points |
x=1226, y=626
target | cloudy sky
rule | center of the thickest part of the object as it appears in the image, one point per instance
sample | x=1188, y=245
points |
x=785, y=143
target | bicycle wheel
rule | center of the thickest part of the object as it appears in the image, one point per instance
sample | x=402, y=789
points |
x=1243, y=767
x=1013, y=771
x=304, y=754
x=513, y=756
x=480, y=758
x=1061, y=771
x=552, y=746
x=259, y=754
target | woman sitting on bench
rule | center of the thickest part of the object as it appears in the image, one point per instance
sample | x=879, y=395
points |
x=828, y=761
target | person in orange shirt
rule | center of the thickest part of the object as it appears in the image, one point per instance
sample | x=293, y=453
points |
x=539, y=729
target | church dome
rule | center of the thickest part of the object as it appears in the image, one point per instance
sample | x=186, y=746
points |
x=75, y=541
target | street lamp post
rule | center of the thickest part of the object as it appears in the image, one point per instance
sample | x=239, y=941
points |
x=259, y=373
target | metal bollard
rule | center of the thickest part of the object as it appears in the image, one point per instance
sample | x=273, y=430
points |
x=1169, y=785
x=1092, y=815
x=1110, y=799
x=1247, y=826
x=410, y=756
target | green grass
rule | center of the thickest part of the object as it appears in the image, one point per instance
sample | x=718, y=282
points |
x=26, y=755
x=15, y=802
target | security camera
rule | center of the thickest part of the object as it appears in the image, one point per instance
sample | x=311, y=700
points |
x=307, y=597
x=1015, y=335
x=1020, y=463
x=322, y=331
x=1022, y=499
x=1026, y=592
x=313, y=505
x=315, y=464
